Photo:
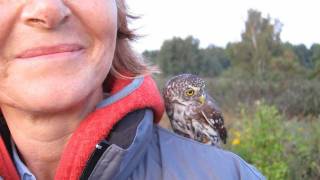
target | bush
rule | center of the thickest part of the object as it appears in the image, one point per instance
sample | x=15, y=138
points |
x=304, y=150
x=279, y=148
x=262, y=141
x=299, y=97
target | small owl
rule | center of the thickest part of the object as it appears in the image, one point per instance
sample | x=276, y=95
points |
x=192, y=112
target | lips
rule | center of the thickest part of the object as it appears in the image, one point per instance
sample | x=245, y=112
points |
x=49, y=50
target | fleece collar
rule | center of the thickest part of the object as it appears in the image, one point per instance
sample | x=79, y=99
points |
x=126, y=96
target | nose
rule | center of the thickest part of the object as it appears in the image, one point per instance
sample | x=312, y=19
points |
x=45, y=14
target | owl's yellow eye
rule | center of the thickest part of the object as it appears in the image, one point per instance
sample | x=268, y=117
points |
x=189, y=92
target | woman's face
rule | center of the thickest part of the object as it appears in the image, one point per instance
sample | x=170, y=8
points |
x=54, y=53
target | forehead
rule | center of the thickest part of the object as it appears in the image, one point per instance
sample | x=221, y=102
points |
x=184, y=81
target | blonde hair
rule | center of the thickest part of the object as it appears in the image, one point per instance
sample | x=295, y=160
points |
x=127, y=63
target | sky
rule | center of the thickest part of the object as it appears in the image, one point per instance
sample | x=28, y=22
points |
x=218, y=22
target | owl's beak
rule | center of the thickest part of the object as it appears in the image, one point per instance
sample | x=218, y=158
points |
x=202, y=99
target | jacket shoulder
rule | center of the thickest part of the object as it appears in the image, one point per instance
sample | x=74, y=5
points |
x=184, y=158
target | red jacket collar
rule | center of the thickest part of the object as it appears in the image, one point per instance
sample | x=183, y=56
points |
x=126, y=96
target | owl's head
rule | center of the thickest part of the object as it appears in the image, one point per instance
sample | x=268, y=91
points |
x=185, y=89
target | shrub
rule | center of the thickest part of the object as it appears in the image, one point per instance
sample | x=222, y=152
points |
x=303, y=150
x=262, y=140
x=279, y=148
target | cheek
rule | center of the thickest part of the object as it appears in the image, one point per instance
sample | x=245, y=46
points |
x=99, y=17
x=8, y=14
x=9, y=11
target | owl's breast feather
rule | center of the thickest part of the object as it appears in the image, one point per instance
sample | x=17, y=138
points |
x=178, y=111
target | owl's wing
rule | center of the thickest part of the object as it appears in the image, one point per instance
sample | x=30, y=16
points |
x=213, y=116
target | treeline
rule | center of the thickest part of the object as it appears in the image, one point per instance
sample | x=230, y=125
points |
x=259, y=53
x=258, y=68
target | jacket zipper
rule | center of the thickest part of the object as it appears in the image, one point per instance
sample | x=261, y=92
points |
x=94, y=158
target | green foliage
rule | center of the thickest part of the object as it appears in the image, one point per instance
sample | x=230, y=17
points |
x=151, y=55
x=184, y=56
x=304, y=55
x=304, y=149
x=265, y=133
x=179, y=55
x=260, y=42
x=279, y=148
x=213, y=61
x=298, y=97
x=315, y=56
x=292, y=96
x=286, y=64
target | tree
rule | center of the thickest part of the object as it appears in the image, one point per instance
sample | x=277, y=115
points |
x=315, y=56
x=260, y=42
x=151, y=55
x=304, y=55
x=287, y=63
x=214, y=61
x=179, y=56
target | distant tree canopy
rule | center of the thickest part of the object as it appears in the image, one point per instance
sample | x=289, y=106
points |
x=184, y=56
x=260, y=42
x=259, y=53
x=213, y=62
x=178, y=55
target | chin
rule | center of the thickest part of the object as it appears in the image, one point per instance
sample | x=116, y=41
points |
x=56, y=100
x=51, y=93
x=55, y=106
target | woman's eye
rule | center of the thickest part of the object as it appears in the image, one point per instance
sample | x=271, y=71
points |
x=190, y=92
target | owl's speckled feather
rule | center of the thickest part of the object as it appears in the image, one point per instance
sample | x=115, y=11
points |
x=192, y=112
